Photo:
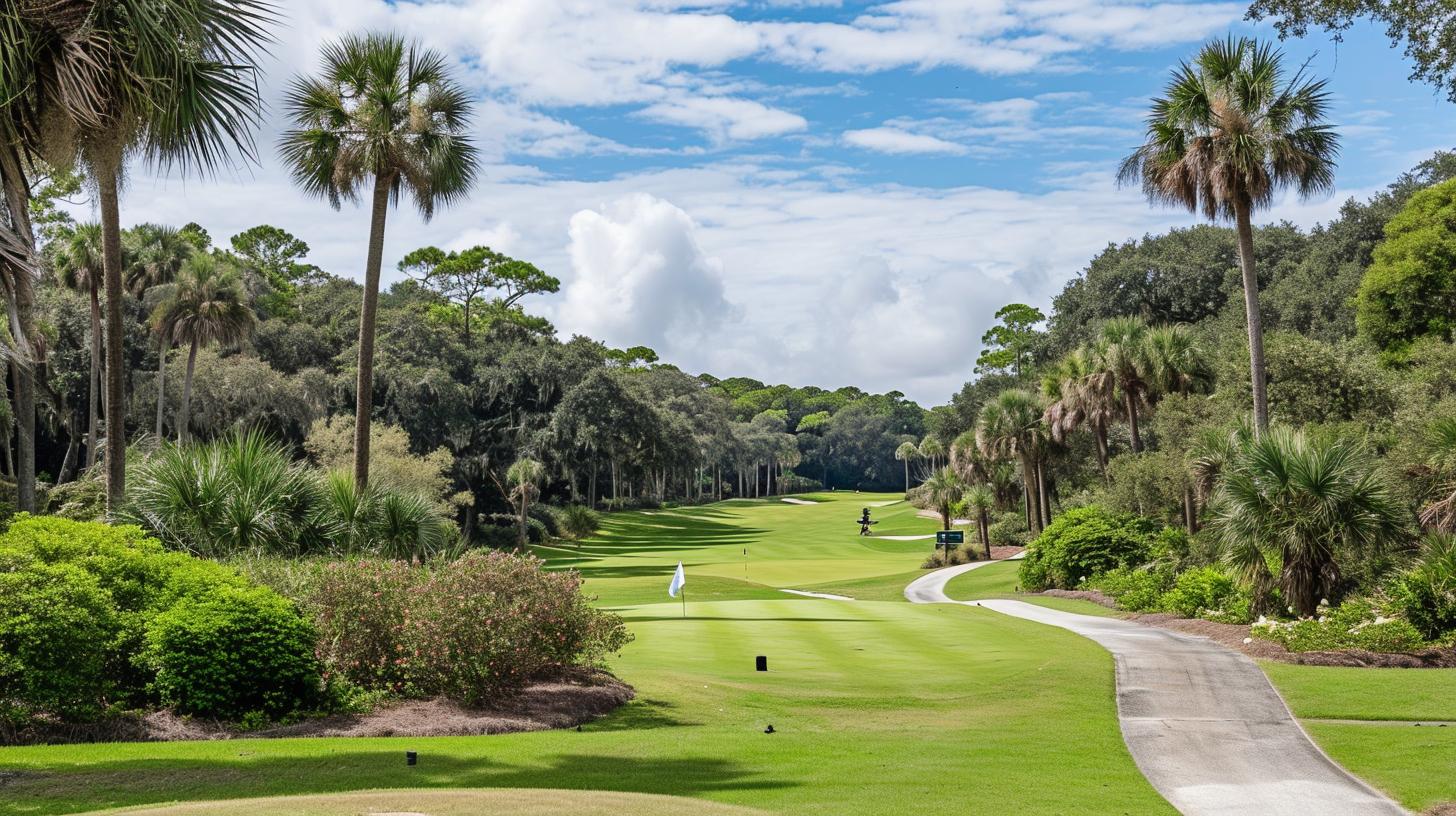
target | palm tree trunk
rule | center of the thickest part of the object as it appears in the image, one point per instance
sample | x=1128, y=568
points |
x=1130, y=400
x=23, y=329
x=1044, y=502
x=161, y=383
x=907, y=474
x=93, y=388
x=1190, y=510
x=184, y=412
x=983, y=526
x=1255, y=321
x=364, y=403
x=106, y=178
x=1099, y=431
x=1028, y=484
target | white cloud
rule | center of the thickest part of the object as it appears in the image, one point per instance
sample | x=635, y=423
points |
x=897, y=141
x=724, y=118
x=640, y=277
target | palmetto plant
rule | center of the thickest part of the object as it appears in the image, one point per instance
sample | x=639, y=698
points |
x=77, y=260
x=170, y=79
x=207, y=306
x=1175, y=362
x=1231, y=130
x=1011, y=427
x=1440, y=450
x=943, y=491
x=1301, y=505
x=388, y=113
x=980, y=500
x=241, y=493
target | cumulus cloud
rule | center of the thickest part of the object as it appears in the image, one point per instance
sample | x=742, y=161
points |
x=724, y=118
x=640, y=277
x=895, y=140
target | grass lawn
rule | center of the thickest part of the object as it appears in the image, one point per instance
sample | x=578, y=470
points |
x=1366, y=720
x=878, y=706
x=999, y=581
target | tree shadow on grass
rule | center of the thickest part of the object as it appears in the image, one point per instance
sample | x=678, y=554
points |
x=639, y=715
x=145, y=781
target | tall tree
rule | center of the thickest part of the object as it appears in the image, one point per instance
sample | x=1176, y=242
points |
x=1008, y=345
x=19, y=266
x=386, y=112
x=905, y=453
x=1230, y=131
x=1011, y=427
x=1078, y=396
x=1122, y=361
x=157, y=254
x=462, y=278
x=1427, y=28
x=78, y=259
x=207, y=307
x=524, y=478
x=980, y=500
x=172, y=79
x=944, y=490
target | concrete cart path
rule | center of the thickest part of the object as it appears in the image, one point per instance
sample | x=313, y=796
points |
x=1202, y=722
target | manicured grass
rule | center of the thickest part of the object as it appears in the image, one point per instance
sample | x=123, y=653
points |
x=878, y=707
x=999, y=581
x=455, y=803
x=1416, y=764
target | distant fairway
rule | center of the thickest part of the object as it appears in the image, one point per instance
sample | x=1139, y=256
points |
x=878, y=706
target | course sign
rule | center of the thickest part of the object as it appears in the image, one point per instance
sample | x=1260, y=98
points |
x=950, y=538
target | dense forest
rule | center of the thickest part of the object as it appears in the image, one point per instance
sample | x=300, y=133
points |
x=257, y=338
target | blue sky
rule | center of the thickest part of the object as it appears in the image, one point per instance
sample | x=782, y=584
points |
x=802, y=191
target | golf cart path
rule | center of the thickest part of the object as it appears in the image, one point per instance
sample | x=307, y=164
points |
x=1202, y=722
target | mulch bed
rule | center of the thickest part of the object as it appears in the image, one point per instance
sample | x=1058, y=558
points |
x=1239, y=636
x=564, y=702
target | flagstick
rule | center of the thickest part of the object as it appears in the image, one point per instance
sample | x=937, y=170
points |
x=683, y=591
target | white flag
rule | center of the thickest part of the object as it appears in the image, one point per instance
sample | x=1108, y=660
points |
x=678, y=580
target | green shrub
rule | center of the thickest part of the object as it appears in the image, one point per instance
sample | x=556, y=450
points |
x=579, y=521
x=964, y=554
x=1009, y=530
x=1426, y=593
x=1083, y=542
x=233, y=652
x=57, y=628
x=1355, y=624
x=83, y=499
x=1134, y=589
x=547, y=516
x=120, y=592
x=1198, y=591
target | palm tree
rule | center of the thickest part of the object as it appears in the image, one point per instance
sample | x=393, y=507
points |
x=905, y=453
x=524, y=476
x=1229, y=132
x=171, y=79
x=157, y=255
x=1078, y=397
x=943, y=492
x=206, y=307
x=932, y=450
x=1176, y=364
x=980, y=499
x=386, y=111
x=1122, y=364
x=1302, y=504
x=78, y=261
x=18, y=272
x=1011, y=427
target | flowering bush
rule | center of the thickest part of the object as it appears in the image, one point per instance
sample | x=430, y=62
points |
x=472, y=629
x=1355, y=624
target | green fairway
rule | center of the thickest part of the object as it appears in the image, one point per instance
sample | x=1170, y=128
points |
x=877, y=706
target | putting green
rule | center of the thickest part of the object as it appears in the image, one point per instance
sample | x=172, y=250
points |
x=877, y=706
x=452, y=803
